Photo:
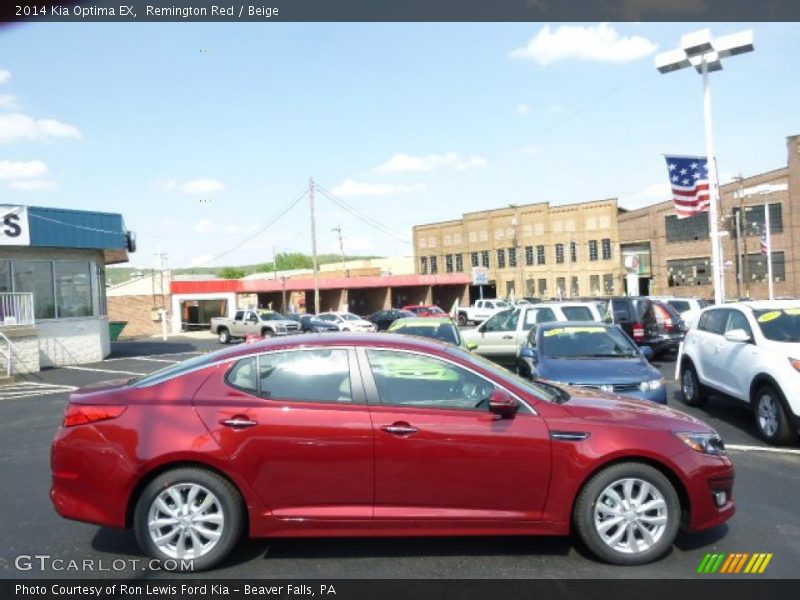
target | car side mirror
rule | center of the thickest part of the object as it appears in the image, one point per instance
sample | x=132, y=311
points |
x=737, y=336
x=502, y=404
x=528, y=352
x=471, y=346
x=647, y=352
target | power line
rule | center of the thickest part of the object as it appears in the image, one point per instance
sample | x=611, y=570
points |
x=362, y=217
x=257, y=232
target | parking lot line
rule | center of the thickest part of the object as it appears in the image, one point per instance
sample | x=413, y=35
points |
x=25, y=389
x=745, y=448
x=145, y=358
x=74, y=368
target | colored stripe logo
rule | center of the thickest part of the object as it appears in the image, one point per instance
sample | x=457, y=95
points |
x=735, y=563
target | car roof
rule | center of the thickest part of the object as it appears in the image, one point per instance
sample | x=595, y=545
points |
x=426, y=321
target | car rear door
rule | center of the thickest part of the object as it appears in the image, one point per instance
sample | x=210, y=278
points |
x=440, y=460
x=705, y=344
x=295, y=425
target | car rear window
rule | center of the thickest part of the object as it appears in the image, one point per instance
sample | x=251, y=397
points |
x=578, y=313
x=679, y=305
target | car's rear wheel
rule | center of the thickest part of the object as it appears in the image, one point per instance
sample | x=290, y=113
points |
x=692, y=392
x=224, y=336
x=771, y=420
x=189, y=514
x=628, y=514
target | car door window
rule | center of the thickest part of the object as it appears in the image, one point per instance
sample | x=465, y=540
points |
x=503, y=321
x=620, y=311
x=714, y=321
x=737, y=320
x=538, y=315
x=319, y=375
x=406, y=379
x=239, y=315
x=243, y=375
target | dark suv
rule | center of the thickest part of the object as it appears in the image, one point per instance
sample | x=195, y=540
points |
x=637, y=317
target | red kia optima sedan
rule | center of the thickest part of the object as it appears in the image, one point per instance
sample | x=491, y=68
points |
x=380, y=435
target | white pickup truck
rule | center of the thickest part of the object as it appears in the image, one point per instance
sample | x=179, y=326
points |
x=480, y=311
x=266, y=323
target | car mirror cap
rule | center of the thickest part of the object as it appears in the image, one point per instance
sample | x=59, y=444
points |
x=739, y=336
x=471, y=346
x=501, y=403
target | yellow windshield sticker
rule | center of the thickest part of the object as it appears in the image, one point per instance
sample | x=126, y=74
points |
x=553, y=332
x=767, y=317
x=792, y=311
x=560, y=330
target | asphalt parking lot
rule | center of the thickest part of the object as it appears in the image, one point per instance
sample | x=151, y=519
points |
x=766, y=492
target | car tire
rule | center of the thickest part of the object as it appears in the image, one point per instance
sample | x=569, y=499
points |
x=217, y=529
x=692, y=392
x=267, y=333
x=770, y=415
x=346, y=329
x=224, y=336
x=634, y=536
x=462, y=319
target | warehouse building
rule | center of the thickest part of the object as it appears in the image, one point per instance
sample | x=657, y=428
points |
x=53, y=308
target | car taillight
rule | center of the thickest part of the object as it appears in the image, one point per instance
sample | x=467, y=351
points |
x=638, y=332
x=82, y=414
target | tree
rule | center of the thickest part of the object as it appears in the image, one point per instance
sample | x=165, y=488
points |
x=231, y=273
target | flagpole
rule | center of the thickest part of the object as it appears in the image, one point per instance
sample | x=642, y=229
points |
x=713, y=213
x=769, y=252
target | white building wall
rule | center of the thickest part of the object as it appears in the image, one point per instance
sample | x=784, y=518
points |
x=73, y=341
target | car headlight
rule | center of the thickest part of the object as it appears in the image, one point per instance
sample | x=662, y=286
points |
x=795, y=362
x=652, y=385
x=707, y=443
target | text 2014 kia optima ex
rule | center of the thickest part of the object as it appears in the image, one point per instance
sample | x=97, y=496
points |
x=380, y=435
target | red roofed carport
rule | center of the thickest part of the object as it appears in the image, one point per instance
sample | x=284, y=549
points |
x=362, y=295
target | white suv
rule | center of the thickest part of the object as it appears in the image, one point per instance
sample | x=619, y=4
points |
x=346, y=321
x=749, y=351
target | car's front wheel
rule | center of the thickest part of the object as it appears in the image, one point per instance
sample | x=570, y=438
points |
x=462, y=319
x=771, y=420
x=224, y=336
x=267, y=333
x=628, y=514
x=692, y=392
x=191, y=515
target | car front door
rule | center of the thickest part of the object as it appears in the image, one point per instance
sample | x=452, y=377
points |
x=440, y=455
x=294, y=424
x=733, y=363
x=496, y=337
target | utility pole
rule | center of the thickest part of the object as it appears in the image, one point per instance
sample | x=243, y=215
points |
x=338, y=230
x=274, y=264
x=743, y=225
x=314, y=244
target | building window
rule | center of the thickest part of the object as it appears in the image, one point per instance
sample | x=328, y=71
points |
x=690, y=271
x=485, y=258
x=501, y=259
x=459, y=263
x=594, y=285
x=434, y=265
x=448, y=263
x=36, y=276
x=512, y=257
x=423, y=265
x=757, y=267
x=688, y=229
x=592, y=249
x=559, y=253
x=73, y=289
x=61, y=289
x=542, y=287
x=5, y=276
x=528, y=256
x=606, y=249
x=608, y=284
x=575, y=288
x=473, y=257
x=573, y=251
x=540, y=260
x=561, y=286
x=753, y=222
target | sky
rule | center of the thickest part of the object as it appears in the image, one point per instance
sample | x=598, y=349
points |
x=202, y=134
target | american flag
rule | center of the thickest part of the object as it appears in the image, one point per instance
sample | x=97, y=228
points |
x=764, y=243
x=688, y=176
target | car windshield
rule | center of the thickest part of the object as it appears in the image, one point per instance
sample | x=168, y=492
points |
x=445, y=332
x=350, y=317
x=268, y=315
x=501, y=304
x=586, y=342
x=546, y=392
x=779, y=325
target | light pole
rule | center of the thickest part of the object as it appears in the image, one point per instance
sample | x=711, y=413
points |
x=705, y=53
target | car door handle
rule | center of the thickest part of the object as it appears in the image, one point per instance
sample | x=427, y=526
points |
x=238, y=422
x=399, y=429
x=508, y=337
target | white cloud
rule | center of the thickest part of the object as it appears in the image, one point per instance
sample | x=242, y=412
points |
x=194, y=187
x=8, y=102
x=599, y=42
x=33, y=185
x=5, y=76
x=523, y=110
x=401, y=163
x=205, y=226
x=10, y=169
x=18, y=126
x=350, y=187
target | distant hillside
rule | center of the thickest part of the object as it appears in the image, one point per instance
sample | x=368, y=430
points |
x=115, y=275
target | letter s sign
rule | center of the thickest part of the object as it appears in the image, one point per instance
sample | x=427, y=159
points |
x=14, y=230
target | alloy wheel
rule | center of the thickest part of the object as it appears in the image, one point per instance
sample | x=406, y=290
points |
x=768, y=414
x=630, y=515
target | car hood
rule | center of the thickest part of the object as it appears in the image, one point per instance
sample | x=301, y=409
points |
x=596, y=371
x=594, y=405
x=283, y=322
